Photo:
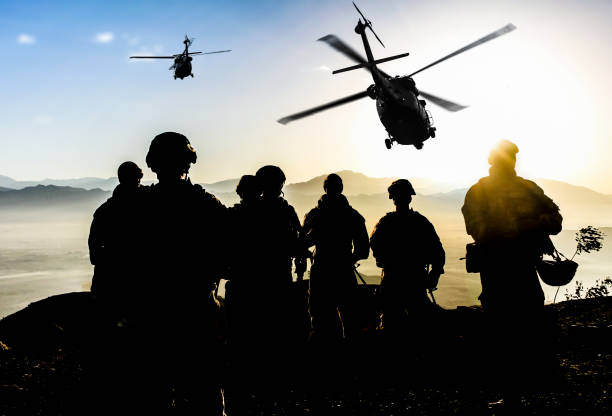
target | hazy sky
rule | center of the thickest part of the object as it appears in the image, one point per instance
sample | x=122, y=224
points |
x=74, y=105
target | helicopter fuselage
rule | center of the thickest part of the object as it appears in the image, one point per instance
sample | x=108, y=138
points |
x=182, y=66
x=400, y=111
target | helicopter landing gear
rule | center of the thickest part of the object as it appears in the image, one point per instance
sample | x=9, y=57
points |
x=175, y=77
x=191, y=75
x=388, y=143
x=418, y=145
x=432, y=132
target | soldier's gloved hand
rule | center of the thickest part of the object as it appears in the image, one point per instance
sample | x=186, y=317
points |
x=432, y=279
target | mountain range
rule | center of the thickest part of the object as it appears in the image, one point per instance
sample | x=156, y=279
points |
x=579, y=205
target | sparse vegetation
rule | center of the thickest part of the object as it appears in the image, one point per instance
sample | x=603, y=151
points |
x=600, y=289
x=588, y=239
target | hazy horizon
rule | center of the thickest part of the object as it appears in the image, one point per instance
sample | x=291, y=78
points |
x=44, y=242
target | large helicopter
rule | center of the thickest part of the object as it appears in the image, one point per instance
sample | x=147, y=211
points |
x=400, y=110
x=182, y=61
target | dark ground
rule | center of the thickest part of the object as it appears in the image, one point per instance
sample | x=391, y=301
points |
x=42, y=372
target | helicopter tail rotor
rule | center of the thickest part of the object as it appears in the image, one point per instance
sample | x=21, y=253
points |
x=368, y=24
x=188, y=41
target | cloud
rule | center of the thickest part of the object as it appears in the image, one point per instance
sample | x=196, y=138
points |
x=104, y=37
x=26, y=39
x=43, y=119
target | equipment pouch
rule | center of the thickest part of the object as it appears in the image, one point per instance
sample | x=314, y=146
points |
x=473, y=258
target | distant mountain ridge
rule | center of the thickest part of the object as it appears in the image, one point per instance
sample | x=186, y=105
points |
x=84, y=183
x=49, y=194
x=579, y=205
x=355, y=183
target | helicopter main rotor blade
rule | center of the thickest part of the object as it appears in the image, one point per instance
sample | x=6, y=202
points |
x=445, y=104
x=368, y=24
x=508, y=28
x=208, y=53
x=339, y=45
x=154, y=57
x=370, y=64
x=323, y=107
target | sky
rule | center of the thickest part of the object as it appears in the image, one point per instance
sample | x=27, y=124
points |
x=74, y=105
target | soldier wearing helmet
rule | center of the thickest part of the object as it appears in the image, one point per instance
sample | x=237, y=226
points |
x=510, y=220
x=281, y=225
x=408, y=249
x=245, y=233
x=340, y=237
x=112, y=239
x=185, y=245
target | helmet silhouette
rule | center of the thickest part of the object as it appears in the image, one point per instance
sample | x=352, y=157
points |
x=400, y=186
x=170, y=150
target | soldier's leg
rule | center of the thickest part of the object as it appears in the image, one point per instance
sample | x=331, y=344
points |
x=322, y=305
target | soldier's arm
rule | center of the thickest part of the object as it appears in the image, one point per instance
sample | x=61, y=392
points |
x=550, y=219
x=361, y=242
x=437, y=254
x=96, y=238
x=473, y=213
x=307, y=233
x=377, y=241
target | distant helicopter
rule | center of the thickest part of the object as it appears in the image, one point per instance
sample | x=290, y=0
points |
x=400, y=110
x=182, y=61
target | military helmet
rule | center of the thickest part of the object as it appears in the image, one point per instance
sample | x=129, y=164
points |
x=400, y=186
x=172, y=150
x=270, y=174
x=129, y=172
x=248, y=186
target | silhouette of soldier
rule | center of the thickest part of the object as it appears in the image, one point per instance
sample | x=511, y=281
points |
x=406, y=246
x=278, y=244
x=246, y=232
x=185, y=245
x=112, y=239
x=510, y=219
x=340, y=237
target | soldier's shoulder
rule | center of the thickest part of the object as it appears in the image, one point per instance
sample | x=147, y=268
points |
x=388, y=218
x=288, y=207
x=417, y=216
x=357, y=217
x=530, y=185
x=482, y=183
x=206, y=196
x=311, y=214
x=104, y=208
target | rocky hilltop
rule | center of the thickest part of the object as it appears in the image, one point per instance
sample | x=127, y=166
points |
x=44, y=345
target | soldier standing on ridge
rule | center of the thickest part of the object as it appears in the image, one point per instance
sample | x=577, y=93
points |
x=339, y=235
x=406, y=246
x=510, y=219
x=245, y=232
x=278, y=244
x=112, y=239
x=115, y=239
x=185, y=247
